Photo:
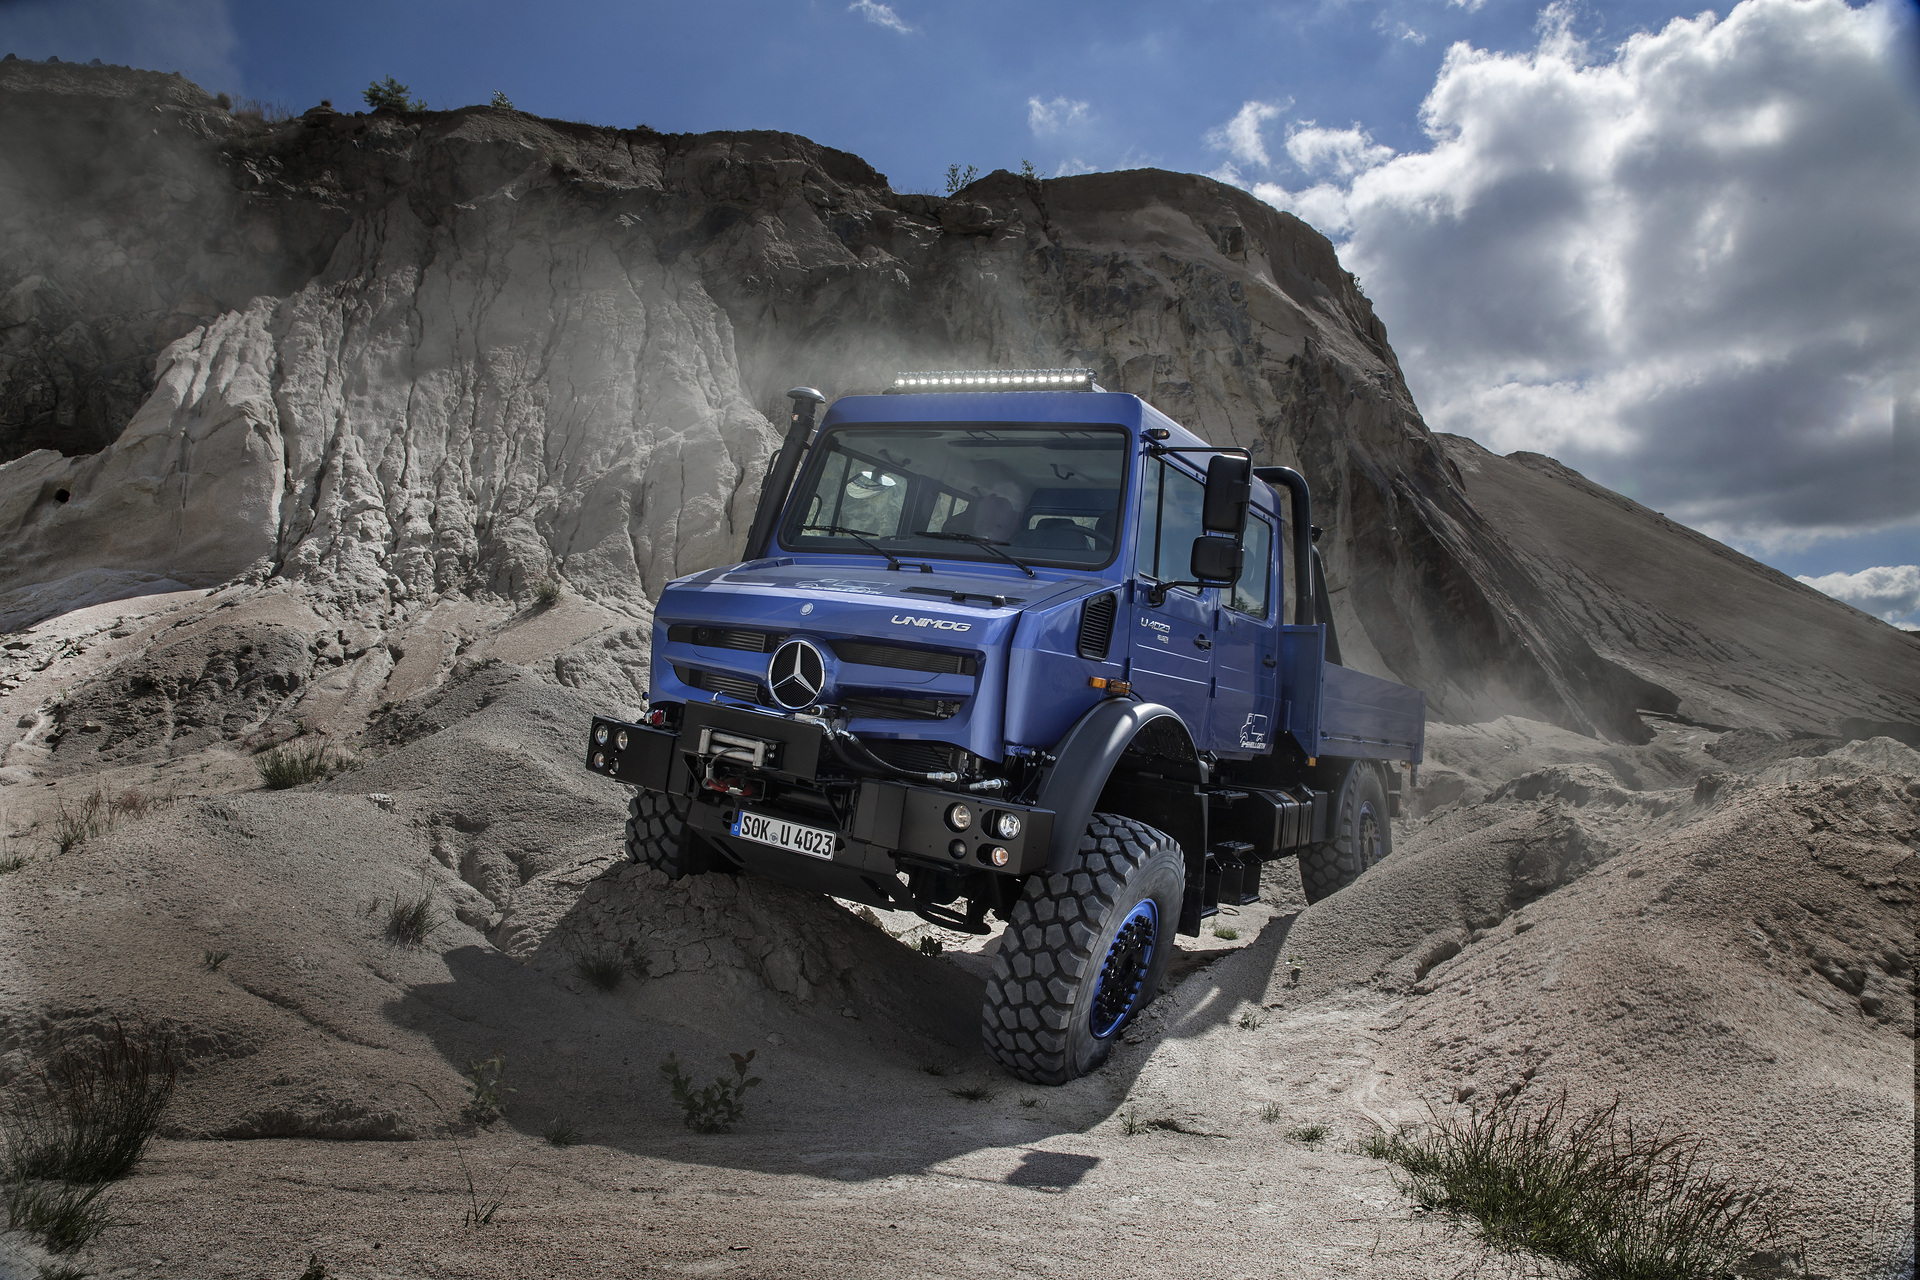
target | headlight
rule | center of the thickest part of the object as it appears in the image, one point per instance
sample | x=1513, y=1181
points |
x=621, y=741
x=600, y=735
x=599, y=760
x=997, y=855
x=1004, y=825
x=959, y=817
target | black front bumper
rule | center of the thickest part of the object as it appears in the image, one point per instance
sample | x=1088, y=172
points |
x=891, y=820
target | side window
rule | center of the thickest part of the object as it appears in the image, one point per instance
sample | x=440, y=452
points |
x=1250, y=593
x=1144, y=559
x=1170, y=521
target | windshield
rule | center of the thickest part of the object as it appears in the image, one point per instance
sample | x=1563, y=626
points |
x=1037, y=495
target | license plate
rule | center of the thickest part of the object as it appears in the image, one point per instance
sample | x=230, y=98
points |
x=781, y=834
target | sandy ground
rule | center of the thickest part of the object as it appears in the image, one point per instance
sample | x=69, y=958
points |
x=1716, y=927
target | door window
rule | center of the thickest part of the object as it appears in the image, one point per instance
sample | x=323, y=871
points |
x=1250, y=593
x=1169, y=522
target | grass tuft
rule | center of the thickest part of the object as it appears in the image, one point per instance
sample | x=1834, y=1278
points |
x=12, y=862
x=316, y=1269
x=603, y=968
x=973, y=1093
x=410, y=920
x=63, y=1216
x=546, y=593
x=1029, y=1102
x=1249, y=1021
x=1273, y=1113
x=88, y=1113
x=1593, y=1191
x=1227, y=933
x=74, y=827
x=929, y=946
x=294, y=765
x=1131, y=1124
x=1308, y=1135
x=213, y=959
x=560, y=1134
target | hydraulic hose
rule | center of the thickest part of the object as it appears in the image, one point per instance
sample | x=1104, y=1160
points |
x=842, y=739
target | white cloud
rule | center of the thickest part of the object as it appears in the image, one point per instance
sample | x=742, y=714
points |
x=1241, y=138
x=1687, y=266
x=1344, y=152
x=1045, y=118
x=194, y=37
x=1889, y=592
x=880, y=15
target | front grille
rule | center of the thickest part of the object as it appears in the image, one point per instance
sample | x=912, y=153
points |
x=921, y=757
x=727, y=638
x=903, y=659
x=882, y=708
x=1096, y=627
x=714, y=682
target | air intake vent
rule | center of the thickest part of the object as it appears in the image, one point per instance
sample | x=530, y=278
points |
x=922, y=757
x=877, y=707
x=713, y=682
x=723, y=638
x=904, y=659
x=1096, y=627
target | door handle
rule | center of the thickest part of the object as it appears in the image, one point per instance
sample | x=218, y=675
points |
x=1266, y=660
x=1202, y=642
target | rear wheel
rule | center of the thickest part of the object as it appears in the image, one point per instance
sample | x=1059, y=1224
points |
x=1084, y=951
x=657, y=835
x=1362, y=835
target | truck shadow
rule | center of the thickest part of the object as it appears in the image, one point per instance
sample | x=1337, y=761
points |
x=847, y=1094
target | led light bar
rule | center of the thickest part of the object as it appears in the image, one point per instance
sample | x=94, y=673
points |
x=997, y=380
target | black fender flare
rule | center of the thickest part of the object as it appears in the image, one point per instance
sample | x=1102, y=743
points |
x=1086, y=758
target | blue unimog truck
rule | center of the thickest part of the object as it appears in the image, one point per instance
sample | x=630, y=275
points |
x=1007, y=643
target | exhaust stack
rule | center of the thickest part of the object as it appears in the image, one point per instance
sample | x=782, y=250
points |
x=773, y=490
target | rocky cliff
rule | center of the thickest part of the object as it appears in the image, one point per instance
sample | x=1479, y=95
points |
x=396, y=359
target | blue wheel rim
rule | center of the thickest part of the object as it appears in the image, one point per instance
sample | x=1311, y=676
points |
x=1116, y=991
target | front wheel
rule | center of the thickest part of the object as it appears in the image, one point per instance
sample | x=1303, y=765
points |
x=1084, y=951
x=657, y=835
x=1362, y=835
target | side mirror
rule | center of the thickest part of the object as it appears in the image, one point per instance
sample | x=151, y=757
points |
x=1229, y=490
x=1216, y=561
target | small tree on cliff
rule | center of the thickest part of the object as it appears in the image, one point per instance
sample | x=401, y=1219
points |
x=391, y=95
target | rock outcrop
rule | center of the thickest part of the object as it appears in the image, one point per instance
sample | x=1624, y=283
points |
x=395, y=357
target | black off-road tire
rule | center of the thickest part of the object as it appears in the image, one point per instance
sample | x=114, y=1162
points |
x=657, y=835
x=1043, y=1011
x=1362, y=835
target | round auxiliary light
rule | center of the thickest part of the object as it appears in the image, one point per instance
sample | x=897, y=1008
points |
x=959, y=817
x=958, y=849
x=600, y=735
x=656, y=717
x=1004, y=825
x=997, y=855
x=899, y=382
x=621, y=740
x=599, y=759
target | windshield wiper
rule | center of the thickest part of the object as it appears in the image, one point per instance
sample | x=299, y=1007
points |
x=858, y=535
x=977, y=541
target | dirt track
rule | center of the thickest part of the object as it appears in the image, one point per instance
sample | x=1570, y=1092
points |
x=1726, y=942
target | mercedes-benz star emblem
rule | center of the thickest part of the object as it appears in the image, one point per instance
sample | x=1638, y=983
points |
x=796, y=675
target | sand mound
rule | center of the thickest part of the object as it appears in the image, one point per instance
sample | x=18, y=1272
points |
x=1735, y=958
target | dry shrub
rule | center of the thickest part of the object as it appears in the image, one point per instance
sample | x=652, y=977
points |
x=1595, y=1191
x=87, y=1114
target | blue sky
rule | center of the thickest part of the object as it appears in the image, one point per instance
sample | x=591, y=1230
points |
x=1679, y=252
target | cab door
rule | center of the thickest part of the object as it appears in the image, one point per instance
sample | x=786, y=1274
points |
x=1246, y=653
x=1170, y=646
